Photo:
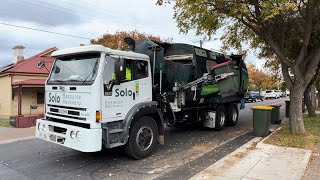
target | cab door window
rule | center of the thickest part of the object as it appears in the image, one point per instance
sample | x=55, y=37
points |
x=141, y=69
x=135, y=69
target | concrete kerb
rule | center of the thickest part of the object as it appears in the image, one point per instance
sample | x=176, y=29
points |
x=16, y=140
x=218, y=169
x=261, y=143
x=255, y=154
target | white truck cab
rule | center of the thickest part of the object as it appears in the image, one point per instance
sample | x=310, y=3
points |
x=85, y=104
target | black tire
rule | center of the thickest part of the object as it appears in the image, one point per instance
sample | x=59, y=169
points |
x=232, y=115
x=142, y=148
x=220, y=118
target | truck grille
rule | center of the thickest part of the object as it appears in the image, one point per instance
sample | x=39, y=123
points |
x=66, y=116
x=87, y=126
x=67, y=107
x=66, y=112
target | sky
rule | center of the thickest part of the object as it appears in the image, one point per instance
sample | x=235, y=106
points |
x=85, y=20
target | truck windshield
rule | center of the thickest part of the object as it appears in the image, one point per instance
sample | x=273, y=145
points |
x=77, y=69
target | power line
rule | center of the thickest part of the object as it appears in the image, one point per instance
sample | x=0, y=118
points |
x=38, y=5
x=102, y=11
x=86, y=14
x=38, y=22
x=41, y=30
x=133, y=24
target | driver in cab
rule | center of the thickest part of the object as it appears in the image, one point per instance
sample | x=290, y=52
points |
x=128, y=73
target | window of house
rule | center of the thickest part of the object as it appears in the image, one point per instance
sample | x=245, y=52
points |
x=40, y=97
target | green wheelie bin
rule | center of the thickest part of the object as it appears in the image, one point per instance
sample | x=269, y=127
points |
x=261, y=120
x=275, y=114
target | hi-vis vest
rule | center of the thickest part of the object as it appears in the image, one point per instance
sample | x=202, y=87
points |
x=128, y=75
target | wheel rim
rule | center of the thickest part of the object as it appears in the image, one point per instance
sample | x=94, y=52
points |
x=144, y=137
x=222, y=118
x=234, y=115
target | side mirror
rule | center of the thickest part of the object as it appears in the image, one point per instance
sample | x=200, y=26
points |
x=41, y=64
x=119, y=70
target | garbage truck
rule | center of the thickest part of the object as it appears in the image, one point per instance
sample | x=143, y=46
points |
x=97, y=97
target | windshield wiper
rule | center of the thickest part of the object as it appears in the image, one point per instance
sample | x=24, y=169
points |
x=93, y=71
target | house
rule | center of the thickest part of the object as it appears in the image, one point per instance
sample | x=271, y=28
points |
x=22, y=84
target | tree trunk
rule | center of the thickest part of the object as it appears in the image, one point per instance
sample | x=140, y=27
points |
x=295, y=114
x=308, y=101
x=318, y=95
x=313, y=96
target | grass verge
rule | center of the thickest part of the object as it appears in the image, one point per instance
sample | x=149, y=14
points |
x=5, y=124
x=310, y=140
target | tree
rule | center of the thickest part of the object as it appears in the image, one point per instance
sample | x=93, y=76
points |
x=317, y=83
x=116, y=40
x=272, y=65
x=288, y=28
x=258, y=79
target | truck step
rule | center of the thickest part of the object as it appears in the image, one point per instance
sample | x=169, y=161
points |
x=112, y=131
x=116, y=144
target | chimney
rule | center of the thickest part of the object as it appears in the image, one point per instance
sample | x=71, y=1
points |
x=17, y=53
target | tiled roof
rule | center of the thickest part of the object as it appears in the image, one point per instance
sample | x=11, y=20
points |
x=30, y=65
x=30, y=82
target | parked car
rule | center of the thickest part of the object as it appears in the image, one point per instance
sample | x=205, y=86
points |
x=252, y=96
x=272, y=94
x=279, y=93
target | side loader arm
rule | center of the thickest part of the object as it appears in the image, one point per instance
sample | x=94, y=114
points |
x=207, y=79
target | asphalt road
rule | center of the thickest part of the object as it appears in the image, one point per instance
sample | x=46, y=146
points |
x=185, y=153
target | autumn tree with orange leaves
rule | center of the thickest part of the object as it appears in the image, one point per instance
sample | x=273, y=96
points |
x=116, y=40
x=258, y=79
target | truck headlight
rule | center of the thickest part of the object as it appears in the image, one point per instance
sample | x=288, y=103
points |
x=78, y=135
x=72, y=134
x=39, y=127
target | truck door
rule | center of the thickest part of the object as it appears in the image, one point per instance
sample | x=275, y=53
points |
x=134, y=88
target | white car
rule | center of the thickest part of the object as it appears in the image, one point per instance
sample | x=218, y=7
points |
x=271, y=94
x=279, y=93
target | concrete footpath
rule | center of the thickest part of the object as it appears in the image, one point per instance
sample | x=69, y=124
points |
x=259, y=161
x=9, y=135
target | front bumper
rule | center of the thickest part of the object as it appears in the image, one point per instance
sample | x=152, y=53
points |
x=90, y=139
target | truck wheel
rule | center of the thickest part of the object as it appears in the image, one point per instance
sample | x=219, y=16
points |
x=143, y=138
x=233, y=115
x=220, y=118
